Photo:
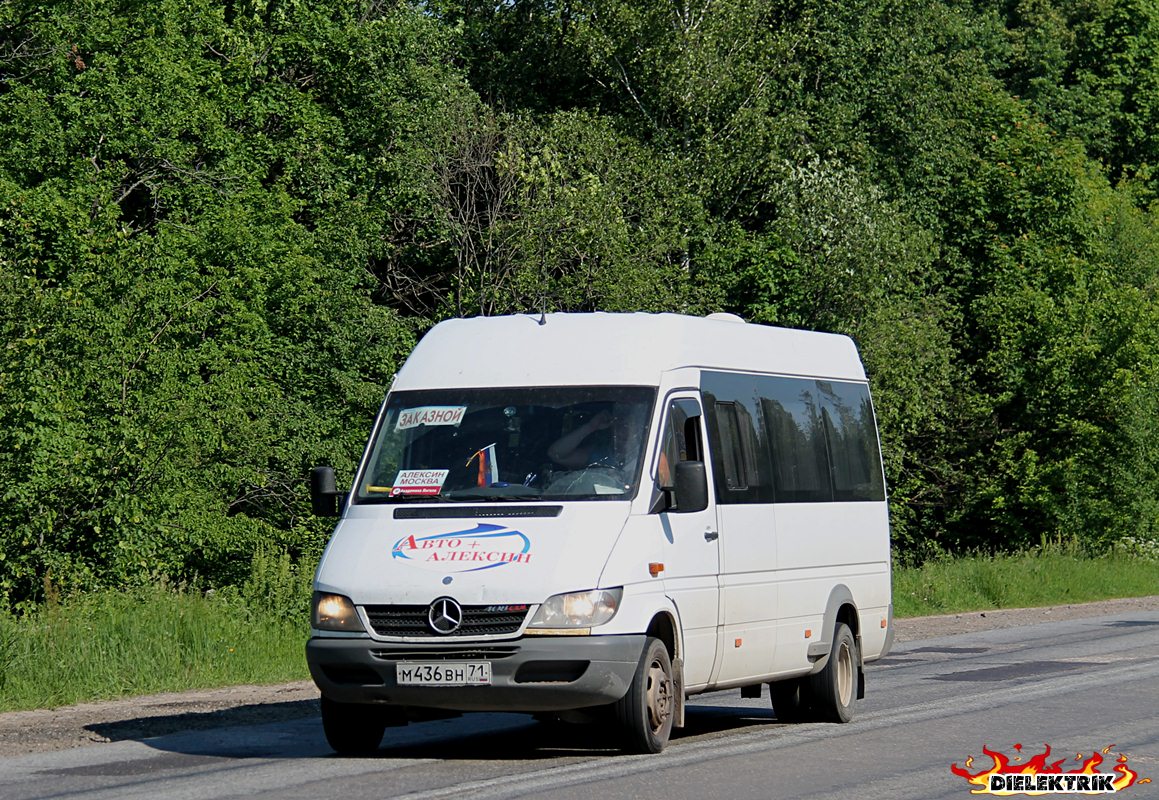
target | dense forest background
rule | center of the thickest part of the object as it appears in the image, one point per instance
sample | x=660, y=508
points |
x=223, y=225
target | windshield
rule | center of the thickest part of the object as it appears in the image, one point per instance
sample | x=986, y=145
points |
x=573, y=443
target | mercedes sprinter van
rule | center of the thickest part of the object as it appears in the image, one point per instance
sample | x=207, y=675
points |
x=600, y=515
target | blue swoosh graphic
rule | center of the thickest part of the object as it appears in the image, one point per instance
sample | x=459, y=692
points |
x=483, y=530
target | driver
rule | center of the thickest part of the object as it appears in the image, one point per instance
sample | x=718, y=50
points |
x=581, y=447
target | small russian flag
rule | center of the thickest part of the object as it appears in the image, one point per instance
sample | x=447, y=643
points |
x=488, y=465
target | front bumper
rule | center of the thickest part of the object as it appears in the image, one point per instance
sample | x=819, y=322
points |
x=532, y=674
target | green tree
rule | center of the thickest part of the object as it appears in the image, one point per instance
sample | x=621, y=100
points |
x=1057, y=313
x=1091, y=69
x=198, y=209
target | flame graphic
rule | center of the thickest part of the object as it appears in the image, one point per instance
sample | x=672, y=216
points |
x=1039, y=765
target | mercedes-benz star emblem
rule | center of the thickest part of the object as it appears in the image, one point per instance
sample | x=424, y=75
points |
x=445, y=616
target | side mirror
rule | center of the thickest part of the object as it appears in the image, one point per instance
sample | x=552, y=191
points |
x=691, y=487
x=323, y=492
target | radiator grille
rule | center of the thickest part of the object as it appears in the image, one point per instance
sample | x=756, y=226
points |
x=477, y=621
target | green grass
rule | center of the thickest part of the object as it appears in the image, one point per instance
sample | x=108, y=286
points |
x=111, y=644
x=1041, y=578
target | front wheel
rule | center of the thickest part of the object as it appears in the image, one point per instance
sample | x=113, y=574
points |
x=352, y=728
x=645, y=713
x=834, y=688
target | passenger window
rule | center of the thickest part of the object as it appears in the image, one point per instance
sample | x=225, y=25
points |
x=851, y=437
x=791, y=440
x=800, y=464
x=732, y=448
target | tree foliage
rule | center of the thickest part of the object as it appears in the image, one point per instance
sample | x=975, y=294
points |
x=223, y=224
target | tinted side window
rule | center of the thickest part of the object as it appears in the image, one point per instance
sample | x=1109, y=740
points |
x=855, y=463
x=732, y=447
x=791, y=440
x=737, y=438
x=793, y=414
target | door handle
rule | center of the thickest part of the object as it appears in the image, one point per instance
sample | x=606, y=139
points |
x=711, y=536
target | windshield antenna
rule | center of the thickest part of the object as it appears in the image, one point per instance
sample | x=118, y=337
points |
x=543, y=309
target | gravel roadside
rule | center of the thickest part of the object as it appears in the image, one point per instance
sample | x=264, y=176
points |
x=156, y=715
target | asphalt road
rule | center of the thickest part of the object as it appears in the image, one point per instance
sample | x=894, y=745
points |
x=1078, y=686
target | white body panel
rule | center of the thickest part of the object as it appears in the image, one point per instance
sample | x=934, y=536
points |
x=363, y=562
x=613, y=349
x=749, y=586
x=819, y=545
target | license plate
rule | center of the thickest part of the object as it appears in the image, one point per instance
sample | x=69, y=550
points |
x=470, y=673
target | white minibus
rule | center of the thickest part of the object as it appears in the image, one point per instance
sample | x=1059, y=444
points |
x=598, y=515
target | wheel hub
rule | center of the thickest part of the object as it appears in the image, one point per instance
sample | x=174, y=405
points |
x=845, y=674
x=659, y=696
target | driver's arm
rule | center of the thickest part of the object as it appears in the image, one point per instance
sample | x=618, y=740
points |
x=568, y=450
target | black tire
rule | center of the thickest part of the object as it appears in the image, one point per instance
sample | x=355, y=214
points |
x=645, y=713
x=792, y=699
x=352, y=728
x=834, y=688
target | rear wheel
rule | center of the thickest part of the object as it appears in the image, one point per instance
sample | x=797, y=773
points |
x=353, y=728
x=834, y=688
x=645, y=713
x=791, y=699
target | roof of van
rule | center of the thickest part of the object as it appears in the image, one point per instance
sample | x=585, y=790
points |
x=632, y=349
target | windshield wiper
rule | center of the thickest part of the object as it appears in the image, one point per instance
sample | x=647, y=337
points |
x=410, y=498
x=495, y=493
x=499, y=498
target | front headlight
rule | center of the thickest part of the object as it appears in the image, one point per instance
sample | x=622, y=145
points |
x=333, y=612
x=578, y=609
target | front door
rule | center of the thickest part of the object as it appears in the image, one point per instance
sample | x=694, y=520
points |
x=690, y=549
